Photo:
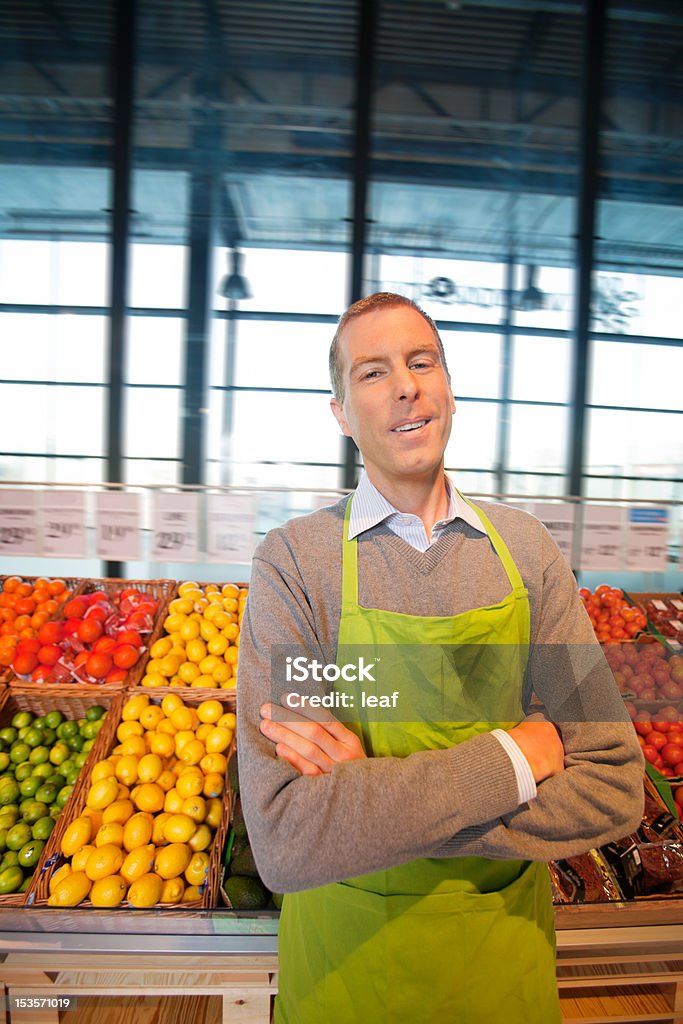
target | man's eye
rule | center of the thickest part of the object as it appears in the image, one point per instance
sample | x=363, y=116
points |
x=420, y=364
x=370, y=374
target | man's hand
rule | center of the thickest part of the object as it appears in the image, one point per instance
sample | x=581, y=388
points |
x=541, y=744
x=313, y=747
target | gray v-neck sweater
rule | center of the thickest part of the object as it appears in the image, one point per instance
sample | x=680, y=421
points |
x=369, y=815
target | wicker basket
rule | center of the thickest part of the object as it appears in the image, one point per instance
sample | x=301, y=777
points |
x=160, y=589
x=218, y=693
x=74, y=586
x=77, y=804
x=73, y=706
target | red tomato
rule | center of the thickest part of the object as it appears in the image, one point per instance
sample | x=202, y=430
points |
x=42, y=674
x=98, y=665
x=104, y=645
x=125, y=656
x=656, y=739
x=90, y=630
x=115, y=675
x=51, y=632
x=98, y=597
x=81, y=658
x=49, y=654
x=75, y=608
x=678, y=770
x=678, y=796
x=672, y=753
x=24, y=664
x=129, y=636
x=28, y=645
x=98, y=613
x=650, y=753
x=25, y=606
x=71, y=626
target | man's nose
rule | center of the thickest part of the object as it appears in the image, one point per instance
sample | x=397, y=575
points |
x=406, y=385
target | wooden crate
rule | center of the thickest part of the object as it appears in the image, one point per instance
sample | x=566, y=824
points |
x=77, y=804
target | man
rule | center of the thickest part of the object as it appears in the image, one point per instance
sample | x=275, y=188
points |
x=414, y=847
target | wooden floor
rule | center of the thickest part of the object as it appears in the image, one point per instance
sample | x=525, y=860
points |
x=144, y=1010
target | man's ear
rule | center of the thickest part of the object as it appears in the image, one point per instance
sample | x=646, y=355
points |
x=338, y=411
x=452, y=403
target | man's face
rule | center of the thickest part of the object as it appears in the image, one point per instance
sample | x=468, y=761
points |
x=398, y=403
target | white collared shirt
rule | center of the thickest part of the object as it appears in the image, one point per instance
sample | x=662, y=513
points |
x=370, y=508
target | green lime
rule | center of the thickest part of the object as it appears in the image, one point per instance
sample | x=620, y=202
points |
x=39, y=755
x=10, y=859
x=34, y=809
x=19, y=752
x=29, y=854
x=75, y=743
x=89, y=730
x=94, y=713
x=43, y=771
x=21, y=719
x=29, y=787
x=87, y=746
x=18, y=836
x=3, y=838
x=22, y=732
x=8, y=818
x=81, y=757
x=49, y=736
x=53, y=719
x=11, y=880
x=41, y=829
x=72, y=776
x=33, y=736
x=67, y=729
x=9, y=792
x=63, y=796
x=59, y=752
x=55, y=811
x=23, y=771
x=39, y=723
x=66, y=766
x=47, y=794
x=27, y=881
x=4, y=760
x=9, y=735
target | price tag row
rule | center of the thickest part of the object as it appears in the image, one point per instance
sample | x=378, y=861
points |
x=53, y=524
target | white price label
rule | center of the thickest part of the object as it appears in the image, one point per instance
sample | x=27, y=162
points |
x=63, y=531
x=118, y=526
x=18, y=523
x=175, y=527
x=601, y=542
x=231, y=525
x=647, y=539
x=558, y=518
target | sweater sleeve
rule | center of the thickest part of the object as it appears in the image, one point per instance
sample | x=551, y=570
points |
x=599, y=795
x=365, y=815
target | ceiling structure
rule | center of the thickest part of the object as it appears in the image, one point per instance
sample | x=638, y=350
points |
x=475, y=129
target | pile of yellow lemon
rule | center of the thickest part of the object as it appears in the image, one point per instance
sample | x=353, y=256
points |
x=152, y=809
x=202, y=641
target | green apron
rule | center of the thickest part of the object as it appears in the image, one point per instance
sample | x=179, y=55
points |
x=463, y=939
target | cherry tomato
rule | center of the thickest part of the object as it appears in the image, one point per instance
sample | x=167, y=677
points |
x=125, y=655
x=98, y=665
x=25, y=663
x=90, y=630
x=75, y=608
x=104, y=645
x=49, y=654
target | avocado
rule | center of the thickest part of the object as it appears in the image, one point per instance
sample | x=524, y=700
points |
x=246, y=893
x=238, y=822
x=244, y=864
x=233, y=775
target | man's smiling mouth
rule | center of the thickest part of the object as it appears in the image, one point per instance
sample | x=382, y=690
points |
x=406, y=427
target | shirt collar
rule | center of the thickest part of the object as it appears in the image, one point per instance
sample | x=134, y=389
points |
x=370, y=508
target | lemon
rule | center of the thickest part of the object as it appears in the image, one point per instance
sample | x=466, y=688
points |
x=229, y=684
x=203, y=731
x=222, y=673
x=152, y=666
x=110, y=834
x=216, y=645
x=209, y=711
x=130, y=728
x=173, y=801
x=197, y=870
x=189, y=784
x=71, y=890
x=137, y=863
x=119, y=811
x=230, y=590
x=103, y=793
x=205, y=682
x=59, y=876
x=221, y=620
x=108, y=892
x=195, y=651
x=149, y=797
x=171, y=861
x=184, y=605
x=171, y=702
x=133, y=707
x=188, y=672
x=201, y=839
x=182, y=738
x=77, y=834
x=102, y=770
x=127, y=769
x=194, y=807
x=95, y=817
x=103, y=861
x=214, y=596
x=173, y=623
x=135, y=745
x=214, y=784
x=191, y=894
x=166, y=780
x=150, y=768
x=151, y=716
x=138, y=831
x=172, y=890
x=214, y=764
x=152, y=679
x=80, y=858
x=231, y=656
x=124, y=792
x=162, y=744
x=189, y=630
x=218, y=740
x=179, y=828
x=167, y=726
x=145, y=890
x=169, y=665
x=158, y=827
x=214, y=811
x=192, y=752
x=187, y=585
x=207, y=630
x=160, y=648
x=228, y=721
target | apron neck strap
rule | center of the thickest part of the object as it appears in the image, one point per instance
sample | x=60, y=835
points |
x=499, y=546
x=349, y=565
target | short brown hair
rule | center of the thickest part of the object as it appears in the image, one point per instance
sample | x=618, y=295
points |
x=380, y=300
